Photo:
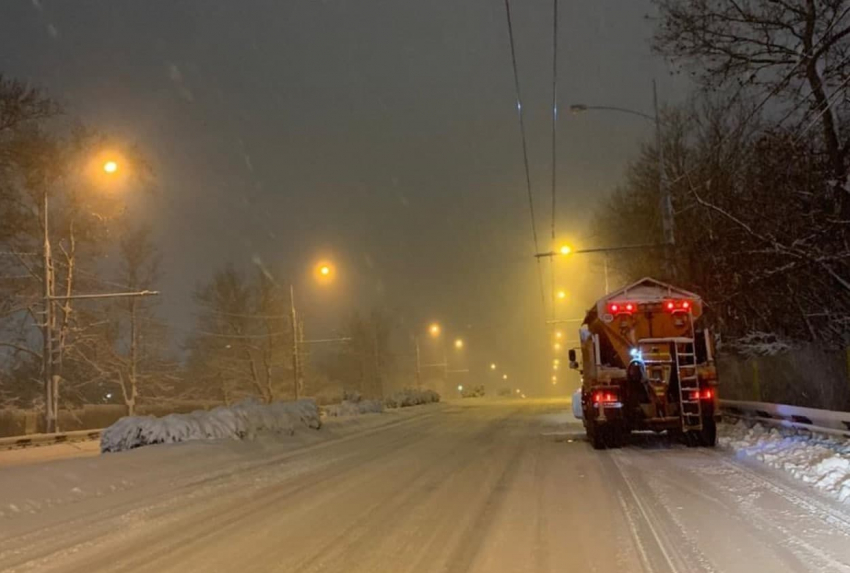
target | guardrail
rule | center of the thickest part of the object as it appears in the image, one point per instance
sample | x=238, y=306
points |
x=13, y=442
x=824, y=421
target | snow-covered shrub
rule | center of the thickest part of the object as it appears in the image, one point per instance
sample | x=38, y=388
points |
x=351, y=396
x=240, y=421
x=757, y=343
x=411, y=397
x=349, y=408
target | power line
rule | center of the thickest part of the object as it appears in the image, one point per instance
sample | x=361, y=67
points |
x=524, y=148
x=554, y=106
x=554, y=138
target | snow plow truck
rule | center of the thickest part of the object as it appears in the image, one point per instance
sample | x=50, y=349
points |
x=646, y=365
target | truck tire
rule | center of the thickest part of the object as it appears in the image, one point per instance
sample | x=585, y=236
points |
x=615, y=436
x=708, y=434
x=595, y=435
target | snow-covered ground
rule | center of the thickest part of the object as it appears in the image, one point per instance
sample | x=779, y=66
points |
x=820, y=460
x=473, y=486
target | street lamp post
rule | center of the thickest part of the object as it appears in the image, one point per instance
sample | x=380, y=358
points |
x=667, y=222
x=50, y=372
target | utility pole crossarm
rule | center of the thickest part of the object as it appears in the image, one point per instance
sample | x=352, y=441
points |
x=602, y=250
x=104, y=295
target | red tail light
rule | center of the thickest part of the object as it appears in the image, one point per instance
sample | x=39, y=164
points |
x=622, y=308
x=677, y=305
x=604, y=397
x=707, y=394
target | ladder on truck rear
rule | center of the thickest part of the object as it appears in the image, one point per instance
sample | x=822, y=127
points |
x=689, y=395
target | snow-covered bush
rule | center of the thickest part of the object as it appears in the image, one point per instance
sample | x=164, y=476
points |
x=349, y=408
x=351, y=396
x=411, y=397
x=240, y=421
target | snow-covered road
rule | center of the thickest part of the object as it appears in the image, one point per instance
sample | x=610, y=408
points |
x=479, y=486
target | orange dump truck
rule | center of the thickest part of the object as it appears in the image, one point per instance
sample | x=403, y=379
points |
x=647, y=365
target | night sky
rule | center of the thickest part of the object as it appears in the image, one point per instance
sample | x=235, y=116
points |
x=381, y=134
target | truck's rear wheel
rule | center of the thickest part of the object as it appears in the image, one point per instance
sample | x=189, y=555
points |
x=708, y=434
x=616, y=436
x=595, y=435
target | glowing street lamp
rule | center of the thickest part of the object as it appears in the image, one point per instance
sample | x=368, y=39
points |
x=493, y=366
x=504, y=376
x=459, y=344
x=559, y=335
x=565, y=250
x=557, y=346
x=434, y=330
x=561, y=295
x=110, y=166
x=324, y=271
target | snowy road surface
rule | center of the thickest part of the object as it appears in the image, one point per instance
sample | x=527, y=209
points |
x=479, y=487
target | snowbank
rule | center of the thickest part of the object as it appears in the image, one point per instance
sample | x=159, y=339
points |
x=243, y=420
x=820, y=460
x=411, y=397
x=352, y=408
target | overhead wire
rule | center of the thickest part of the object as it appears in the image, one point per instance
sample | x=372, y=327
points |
x=554, y=140
x=524, y=150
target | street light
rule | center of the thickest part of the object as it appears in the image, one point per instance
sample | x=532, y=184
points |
x=459, y=344
x=559, y=335
x=557, y=346
x=566, y=249
x=434, y=330
x=110, y=166
x=666, y=200
x=493, y=366
x=561, y=295
x=504, y=376
x=324, y=272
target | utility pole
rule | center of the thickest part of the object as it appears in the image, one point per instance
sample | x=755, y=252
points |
x=605, y=262
x=667, y=225
x=296, y=369
x=50, y=414
x=50, y=371
x=379, y=382
x=418, y=363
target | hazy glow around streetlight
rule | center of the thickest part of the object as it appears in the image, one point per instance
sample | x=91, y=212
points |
x=557, y=346
x=559, y=335
x=493, y=366
x=566, y=250
x=458, y=343
x=562, y=295
x=110, y=166
x=504, y=376
x=434, y=329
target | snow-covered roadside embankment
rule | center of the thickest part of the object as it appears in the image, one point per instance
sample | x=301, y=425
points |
x=820, y=460
x=240, y=421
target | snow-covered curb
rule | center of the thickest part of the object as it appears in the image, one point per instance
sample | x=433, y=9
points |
x=243, y=420
x=820, y=460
